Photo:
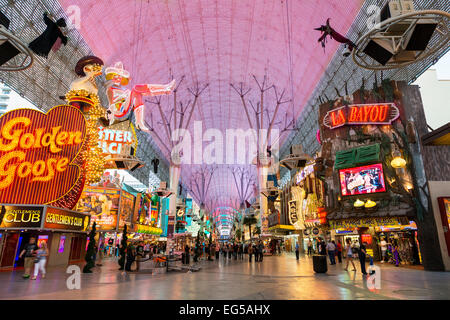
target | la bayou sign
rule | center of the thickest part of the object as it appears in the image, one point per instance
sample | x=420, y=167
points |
x=361, y=114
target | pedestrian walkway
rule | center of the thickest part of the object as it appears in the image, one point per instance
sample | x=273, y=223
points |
x=277, y=277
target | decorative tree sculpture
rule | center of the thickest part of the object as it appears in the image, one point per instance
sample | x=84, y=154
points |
x=89, y=258
x=123, y=247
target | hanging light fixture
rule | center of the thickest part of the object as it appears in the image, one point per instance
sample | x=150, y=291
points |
x=358, y=203
x=398, y=162
x=370, y=204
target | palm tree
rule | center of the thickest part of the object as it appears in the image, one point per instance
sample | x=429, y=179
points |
x=248, y=221
x=238, y=234
x=258, y=231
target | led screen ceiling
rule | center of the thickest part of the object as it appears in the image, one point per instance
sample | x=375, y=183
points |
x=217, y=43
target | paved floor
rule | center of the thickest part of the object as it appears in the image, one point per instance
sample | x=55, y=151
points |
x=278, y=277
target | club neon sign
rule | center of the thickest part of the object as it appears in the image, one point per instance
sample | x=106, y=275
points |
x=361, y=114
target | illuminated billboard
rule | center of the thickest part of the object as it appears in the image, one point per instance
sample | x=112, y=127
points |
x=362, y=180
x=126, y=208
x=38, y=152
x=102, y=204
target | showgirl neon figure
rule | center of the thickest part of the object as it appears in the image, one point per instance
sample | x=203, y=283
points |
x=122, y=101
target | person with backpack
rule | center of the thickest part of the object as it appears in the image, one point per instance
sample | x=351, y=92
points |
x=297, y=251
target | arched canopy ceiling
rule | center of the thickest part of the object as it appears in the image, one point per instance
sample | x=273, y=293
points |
x=217, y=43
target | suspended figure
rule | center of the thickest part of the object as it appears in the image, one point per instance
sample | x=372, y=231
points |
x=123, y=101
x=327, y=30
x=50, y=39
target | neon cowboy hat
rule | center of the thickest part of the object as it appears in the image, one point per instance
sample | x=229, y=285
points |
x=117, y=69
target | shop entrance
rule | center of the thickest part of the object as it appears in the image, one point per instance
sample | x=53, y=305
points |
x=75, y=248
x=9, y=249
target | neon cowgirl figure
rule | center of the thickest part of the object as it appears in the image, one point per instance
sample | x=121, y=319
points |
x=122, y=101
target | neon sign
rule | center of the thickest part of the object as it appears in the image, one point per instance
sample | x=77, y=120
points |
x=361, y=114
x=113, y=141
x=37, y=152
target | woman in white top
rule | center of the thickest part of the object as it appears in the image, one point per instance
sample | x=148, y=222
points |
x=349, y=254
x=41, y=260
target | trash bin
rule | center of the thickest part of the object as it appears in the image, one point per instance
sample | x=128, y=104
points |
x=320, y=263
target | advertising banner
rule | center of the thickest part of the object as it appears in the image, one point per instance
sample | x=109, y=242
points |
x=126, y=208
x=367, y=222
x=274, y=219
x=102, y=204
x=60, y=219
x=21, y=216
x=170, y=226
x=362, y=180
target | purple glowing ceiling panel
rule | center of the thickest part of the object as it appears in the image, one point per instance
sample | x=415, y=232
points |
x=217, y=43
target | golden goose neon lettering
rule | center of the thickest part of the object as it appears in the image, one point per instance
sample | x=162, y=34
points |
x=16, y=142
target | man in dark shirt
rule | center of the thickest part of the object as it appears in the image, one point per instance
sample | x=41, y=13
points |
x=261, y=251
x=131, y=255
x=322, y=247
x=362, y=257
x=139, y=254
x=30, y=252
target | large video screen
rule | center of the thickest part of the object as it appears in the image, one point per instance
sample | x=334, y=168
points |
x=362, y=180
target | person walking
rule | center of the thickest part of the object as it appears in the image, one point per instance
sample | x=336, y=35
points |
x=261, y=251
x=339, y=251
x=139, y=254
x=310, y=247
x=383, y=246
x=297, y=251
x=362, y=257
x=131, y=256
x=187, y=251
x=40, y=260
x=101, y=249
x=331, y=249
x=217, y=252
x=29, y=250
x=396, y=254
x=349, y=254
x=322, y=247
x=250, y=252
x=213, y=251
